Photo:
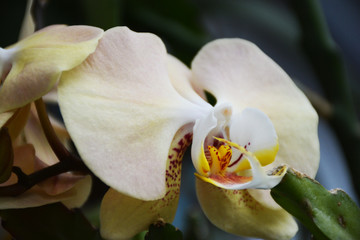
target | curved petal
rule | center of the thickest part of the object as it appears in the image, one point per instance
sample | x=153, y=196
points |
x=202, y=128
x=24, y=157
x=237, y=212
x=4, y=117
x=180, y=76
x=34, y=134
x=122, y=112
x=253, y=130
x=28, y=25
x=236, y=71
x=122, y=217
x=205, y=129
x=34, y=65
x=17, y=121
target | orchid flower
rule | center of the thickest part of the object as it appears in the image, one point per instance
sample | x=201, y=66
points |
x=132, y=109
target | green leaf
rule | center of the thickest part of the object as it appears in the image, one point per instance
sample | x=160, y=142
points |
x=327, y=214
x=52, y=221
x=163, y=231
x=6, y=155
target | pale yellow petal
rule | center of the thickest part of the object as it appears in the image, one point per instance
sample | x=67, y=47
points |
x=34, y=134
x=4, y=117
x=236, y=71
x=122, y=217
x=237, y=212
x=36, y=197
x=28, y=25
x=36, y=62
x=122, y=112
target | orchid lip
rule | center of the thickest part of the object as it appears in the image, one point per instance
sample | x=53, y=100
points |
x=238, y=178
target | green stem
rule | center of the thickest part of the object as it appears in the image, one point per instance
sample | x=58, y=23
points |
x=328, y=65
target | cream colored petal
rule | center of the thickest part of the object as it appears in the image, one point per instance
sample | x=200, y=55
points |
x=28, y=25
x=237, y=212
x=34, y=134
x=122, y=217
x=236, y=71
x=35, y=197
x=122, y=112
x=180, y=76
x=37, y=62
x=45, y=156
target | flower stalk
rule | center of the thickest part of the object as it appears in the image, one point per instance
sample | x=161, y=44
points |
x=59, y=149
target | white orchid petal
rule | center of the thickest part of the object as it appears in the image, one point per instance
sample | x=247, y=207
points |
x=180, y=76
x=236, y=71
x=122, y=112
x=253, y=130
x=202, y=128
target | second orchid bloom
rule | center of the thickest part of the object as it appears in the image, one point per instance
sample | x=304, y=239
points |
x=132, y=109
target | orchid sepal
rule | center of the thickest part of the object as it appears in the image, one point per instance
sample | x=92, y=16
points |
x=32, y=67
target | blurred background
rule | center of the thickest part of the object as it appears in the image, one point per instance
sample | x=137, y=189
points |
x=293, y=33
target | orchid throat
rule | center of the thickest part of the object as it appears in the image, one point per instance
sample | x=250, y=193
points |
x=234, y=148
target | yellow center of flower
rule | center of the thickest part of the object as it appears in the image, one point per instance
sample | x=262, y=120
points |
x=219, y=159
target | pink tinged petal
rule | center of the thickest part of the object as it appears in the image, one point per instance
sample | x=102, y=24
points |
x=24, y=157
x=45, y=156
x=122, y=217
x=34, y=134
x=31, y=67
x=237, y=212
x=236, y=71
x=122, y=112
x=180, y=76
x=35, y=197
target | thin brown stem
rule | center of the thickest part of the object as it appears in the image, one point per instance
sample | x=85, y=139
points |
x=25, y=182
